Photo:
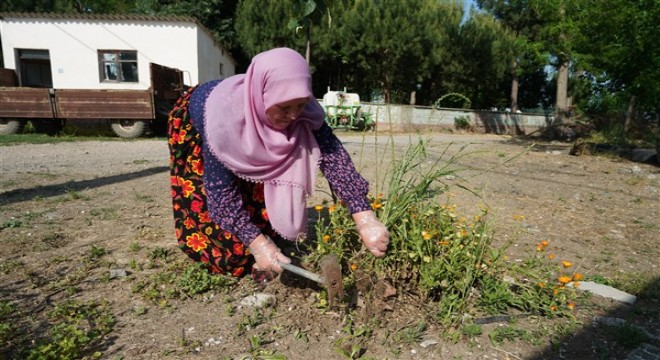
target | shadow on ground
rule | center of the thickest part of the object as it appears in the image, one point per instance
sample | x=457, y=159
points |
x=625, y=332
x=19, y=195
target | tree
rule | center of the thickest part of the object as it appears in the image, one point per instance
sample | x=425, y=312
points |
x=262, y=25
x=618, y=46
x=310, y=12
x=524, y=19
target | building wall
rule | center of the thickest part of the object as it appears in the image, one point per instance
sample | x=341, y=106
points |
x=73, y=45
x=210, y=57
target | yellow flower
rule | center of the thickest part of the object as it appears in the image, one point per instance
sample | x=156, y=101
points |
x=570, y=305
x=576, y=284
x=551, y=256
x=426, y=235
x=354, y=267
x=540, y=284
x=577, y=277
x=443, y=243
x=326, y=238
x=318, y=208
x=564, y=279
x=376, y=206
x=332, y=208
x=566, y=264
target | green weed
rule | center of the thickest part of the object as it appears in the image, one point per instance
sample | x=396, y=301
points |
x=75, y=328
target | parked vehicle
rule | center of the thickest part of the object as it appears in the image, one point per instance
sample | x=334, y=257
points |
x=130, y=113
x=344, y=110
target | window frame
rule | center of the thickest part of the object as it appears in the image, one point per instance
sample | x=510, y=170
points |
x=119, y=65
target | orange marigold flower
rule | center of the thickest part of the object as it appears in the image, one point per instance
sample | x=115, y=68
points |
x=564, y=279
x=576, y=284
x=540, y=248
x=577, y=277
x=332, y=208
x=566, y=264
x=354, y=267
x=570, y=305
x=553, y=308
x=326, y=238
x=426, y=235
x=551, y=256
x=545, y=243
x=441, y=243
x=376, y=206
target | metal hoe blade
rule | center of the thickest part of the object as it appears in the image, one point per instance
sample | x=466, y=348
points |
x=330, y=277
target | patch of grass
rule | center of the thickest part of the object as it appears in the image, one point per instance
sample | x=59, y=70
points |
x=74, y=328
x=11, y=265
x=180, y=280
x=628, y=336
x=105, y=213
x=96, y=252
x=76, y=195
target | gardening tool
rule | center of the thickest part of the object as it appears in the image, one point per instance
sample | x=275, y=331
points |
x=330, y=276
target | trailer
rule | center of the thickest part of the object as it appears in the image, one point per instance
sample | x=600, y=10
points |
x=130, y=113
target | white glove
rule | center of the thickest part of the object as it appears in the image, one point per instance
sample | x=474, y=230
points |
x=374, y=235
x=267, y=254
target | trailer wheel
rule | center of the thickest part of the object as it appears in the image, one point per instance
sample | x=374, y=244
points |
x=48, y=126
x=129, y=129
x=11, y=126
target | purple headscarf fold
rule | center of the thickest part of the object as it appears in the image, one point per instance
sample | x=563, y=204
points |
x=241, y=137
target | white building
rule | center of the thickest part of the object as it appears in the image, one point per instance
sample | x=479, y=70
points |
x=84, y=51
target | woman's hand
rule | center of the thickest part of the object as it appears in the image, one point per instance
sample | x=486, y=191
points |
x=374, y=234
x=267, y=254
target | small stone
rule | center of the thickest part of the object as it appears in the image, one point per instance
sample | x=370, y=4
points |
x=117, y=273
x=259, y=300
x=427, y=343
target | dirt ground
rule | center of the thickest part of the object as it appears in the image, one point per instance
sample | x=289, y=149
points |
x=58, y=201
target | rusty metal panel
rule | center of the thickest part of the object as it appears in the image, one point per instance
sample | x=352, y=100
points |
x=16, y=102
x=104, y=104
x=166, y=82
x=8, y=77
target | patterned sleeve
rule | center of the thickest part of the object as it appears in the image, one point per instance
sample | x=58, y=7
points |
x=224, y=199
x=338, y=168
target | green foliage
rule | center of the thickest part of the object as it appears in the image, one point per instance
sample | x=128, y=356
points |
x=453, y=100
x=180, y=280
x=74, y=328
x=438, y=253
x=462, y=123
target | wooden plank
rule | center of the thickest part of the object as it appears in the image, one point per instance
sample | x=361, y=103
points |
x=17, y=102
x=104, y=104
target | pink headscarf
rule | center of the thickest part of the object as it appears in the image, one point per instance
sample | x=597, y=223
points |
x=241, y=137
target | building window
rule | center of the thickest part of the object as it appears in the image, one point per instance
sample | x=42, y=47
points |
x=118, y=66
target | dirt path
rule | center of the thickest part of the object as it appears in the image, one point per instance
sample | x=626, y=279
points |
x=58, y=201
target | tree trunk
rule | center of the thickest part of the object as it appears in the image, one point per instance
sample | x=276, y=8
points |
x=308, y=51
x=561, y=104
x=514, y=88
x=630, y=114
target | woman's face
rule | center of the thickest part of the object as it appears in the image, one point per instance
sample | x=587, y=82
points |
x=284, y=114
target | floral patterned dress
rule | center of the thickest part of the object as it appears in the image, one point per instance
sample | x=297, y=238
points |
x=203, y=238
